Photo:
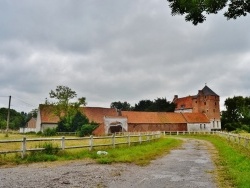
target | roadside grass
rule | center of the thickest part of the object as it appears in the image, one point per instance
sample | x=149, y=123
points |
x=137, y=154
x=232, y=161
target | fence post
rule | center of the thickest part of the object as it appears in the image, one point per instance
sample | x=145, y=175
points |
x=63, y=143
x=23, y=147
x=113, y=140
x=128, y=139
x=140, y=138
x=177, y=133
x=90, y=142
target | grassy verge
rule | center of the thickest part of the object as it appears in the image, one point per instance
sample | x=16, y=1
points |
x=138, y=154
x=233, y=162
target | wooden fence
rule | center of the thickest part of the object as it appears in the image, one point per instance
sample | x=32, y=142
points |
x=238, y=139
x=81, y=142
x=235, y=138
x=187, y=132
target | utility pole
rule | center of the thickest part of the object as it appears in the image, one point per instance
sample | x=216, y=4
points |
x=8, y=118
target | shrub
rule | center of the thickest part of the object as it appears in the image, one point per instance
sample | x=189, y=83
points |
x=49, y=132
x=86, y=130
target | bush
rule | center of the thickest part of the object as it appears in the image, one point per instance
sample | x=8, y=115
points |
x=50, y=149
x=49, y=132
x=86, y=130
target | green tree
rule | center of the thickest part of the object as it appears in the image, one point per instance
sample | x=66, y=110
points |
x=71, y=119
x=195, y=10
x=121, y=105
x=17, y=119
x=158, y=105
x=237, y=113
x=64, y=108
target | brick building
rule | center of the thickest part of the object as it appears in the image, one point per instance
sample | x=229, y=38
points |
x=206, y=101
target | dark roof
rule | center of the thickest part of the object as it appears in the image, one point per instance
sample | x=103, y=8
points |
x=207, y=91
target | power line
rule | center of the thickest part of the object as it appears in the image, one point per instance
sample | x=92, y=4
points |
x=25, y=102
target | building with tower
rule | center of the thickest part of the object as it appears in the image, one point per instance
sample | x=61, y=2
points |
x=206, y=102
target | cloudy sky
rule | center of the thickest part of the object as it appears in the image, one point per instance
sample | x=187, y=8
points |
x=116, y=50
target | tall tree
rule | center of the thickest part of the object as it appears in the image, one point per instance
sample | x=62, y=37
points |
x=64, y=108
x=195, y=9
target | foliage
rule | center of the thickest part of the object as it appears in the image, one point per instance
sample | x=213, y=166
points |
x=86, y=129
x=73, y=124
x=121, y=105
x=158, y=105
x=196, y=9
x=49, y=132
x=237, y=114
x=17, y=119
x=50, y=149
x=68, y=112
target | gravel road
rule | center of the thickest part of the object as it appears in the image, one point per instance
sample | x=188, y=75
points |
x=188, y=166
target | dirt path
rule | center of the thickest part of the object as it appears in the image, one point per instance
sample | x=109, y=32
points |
x=189, y=166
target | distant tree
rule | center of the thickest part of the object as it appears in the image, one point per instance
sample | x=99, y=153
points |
x=158, y=105
x=195, y=9
x=121, y=105
x=17, y=119
x=237, y=113
x=143, y=105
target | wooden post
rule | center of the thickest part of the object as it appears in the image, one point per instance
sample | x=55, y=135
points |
x=23, y=147
x=8, y=118
x=177, y=133
x=63, y=143
x=91, y=143
x=128, y=139
x=140, y=138
x=113, y=140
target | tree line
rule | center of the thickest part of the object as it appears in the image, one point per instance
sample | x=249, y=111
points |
x=156, y=105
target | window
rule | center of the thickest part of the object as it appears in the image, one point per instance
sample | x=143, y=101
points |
x=215, y=103
x=217, y=123
x=204, y=126
x=213, y=124
x=200, y=126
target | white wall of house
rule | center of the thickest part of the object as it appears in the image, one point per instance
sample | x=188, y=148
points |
x=48, y=125
x=188, y=110
x=215, y=124
x=110, y=121
x=27, y=130
x=38, y=121
x=198, y=127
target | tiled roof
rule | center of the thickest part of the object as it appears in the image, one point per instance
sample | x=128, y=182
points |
x=47, y=114
x=184, y=102
x=95, y=114
x=153, y=117
x=196, y=118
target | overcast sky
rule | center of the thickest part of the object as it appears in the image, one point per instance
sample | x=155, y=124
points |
x=116, y=50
